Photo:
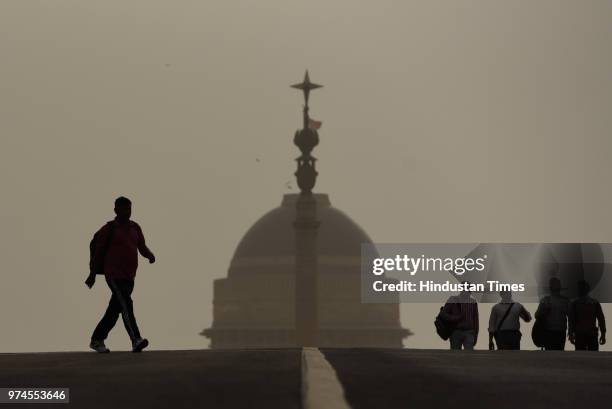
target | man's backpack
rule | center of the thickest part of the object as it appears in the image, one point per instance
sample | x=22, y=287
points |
x=443, y=328
x=97, y=266
x=538, y=333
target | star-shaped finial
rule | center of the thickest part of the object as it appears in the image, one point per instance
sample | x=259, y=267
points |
x=306, y=86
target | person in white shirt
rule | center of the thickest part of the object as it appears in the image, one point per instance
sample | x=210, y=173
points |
x=504, y=324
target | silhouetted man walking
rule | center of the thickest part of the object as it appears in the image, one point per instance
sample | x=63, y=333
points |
x=582, y=314
x=461, y=311
x=553, y=311
x=115, y=254
x=504, y=323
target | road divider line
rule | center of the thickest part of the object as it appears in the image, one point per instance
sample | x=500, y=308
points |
x=321, y=388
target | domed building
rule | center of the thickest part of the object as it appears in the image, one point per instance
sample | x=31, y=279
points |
x=301, y=259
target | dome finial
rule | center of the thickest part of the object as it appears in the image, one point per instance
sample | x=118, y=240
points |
x=306, y=86
x=306, y=139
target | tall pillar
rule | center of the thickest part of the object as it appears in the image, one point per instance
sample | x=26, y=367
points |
x=306, y=266
x=306, y=226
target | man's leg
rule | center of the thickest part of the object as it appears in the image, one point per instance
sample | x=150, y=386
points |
x=580, y=343
x=514, y=340
x=456, y=339
x=508, y=340
x=561, y=340
x=592, y=341
x=594, y=345
x=517, y=340
x=555, y=340
x=122, y=290
x=108, y=321
x=500, y=340
x=549, y=340
x=469, y=338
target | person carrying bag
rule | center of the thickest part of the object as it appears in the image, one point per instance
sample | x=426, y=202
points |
x=506, y=331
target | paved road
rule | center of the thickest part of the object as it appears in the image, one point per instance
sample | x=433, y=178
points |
x=370, y=379
x=414, y=379
x=161, y=379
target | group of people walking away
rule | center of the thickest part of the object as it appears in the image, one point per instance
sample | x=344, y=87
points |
x=581, y=321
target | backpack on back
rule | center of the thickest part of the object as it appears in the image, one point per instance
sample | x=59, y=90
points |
x=443, y=328
x=97, y=266
x=538, y=333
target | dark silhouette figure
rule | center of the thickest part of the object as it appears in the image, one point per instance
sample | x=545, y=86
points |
x=115, y=254
x=553, y=310
x=583, y=312
x=461, y=311
x=504, y=323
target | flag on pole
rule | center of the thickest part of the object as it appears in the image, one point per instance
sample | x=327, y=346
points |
x=312, y=124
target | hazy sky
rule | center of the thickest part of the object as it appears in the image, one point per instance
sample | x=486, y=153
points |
x=443, y=121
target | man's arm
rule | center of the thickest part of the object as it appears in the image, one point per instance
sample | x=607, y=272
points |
x=524, y=314
x=567, y=318
x=493, y=320
x=571, y=322
x=142, y=247
x=601, y=321
x=476, y=323
x=146, y=252
x=492, y=327
x=571, y=318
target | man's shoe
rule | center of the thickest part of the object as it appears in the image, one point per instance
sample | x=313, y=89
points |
x=139, y=344
x=98, y=346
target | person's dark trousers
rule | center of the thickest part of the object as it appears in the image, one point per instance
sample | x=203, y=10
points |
x=120, y=303
x=555, y=340
x=465, y=338
x=587, y=341
x=508, y=339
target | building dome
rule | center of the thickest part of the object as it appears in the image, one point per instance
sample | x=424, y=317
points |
x=270, y=242
x=254, y=307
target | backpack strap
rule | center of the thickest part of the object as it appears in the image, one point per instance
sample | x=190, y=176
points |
x=504, y=317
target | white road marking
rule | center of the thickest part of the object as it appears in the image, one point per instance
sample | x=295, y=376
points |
x=321, y=388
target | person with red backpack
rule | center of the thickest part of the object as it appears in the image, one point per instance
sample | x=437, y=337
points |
x=582, y=314
x=114, y=254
